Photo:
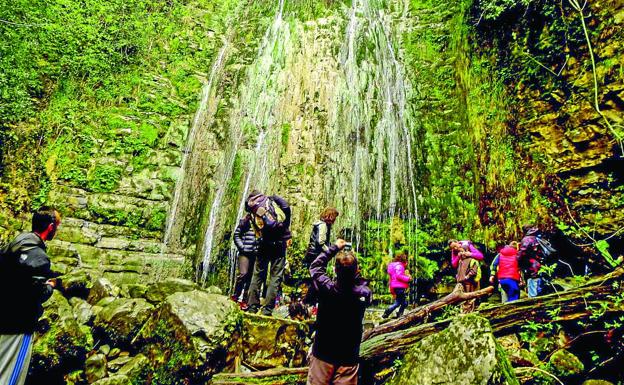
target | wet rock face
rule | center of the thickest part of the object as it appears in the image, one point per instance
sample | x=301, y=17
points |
x=464, y=354
x=120, y=321
x=271, y=342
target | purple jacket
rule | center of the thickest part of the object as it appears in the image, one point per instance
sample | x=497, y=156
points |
x=340, y=314
x=476, y=254
x=398, y=278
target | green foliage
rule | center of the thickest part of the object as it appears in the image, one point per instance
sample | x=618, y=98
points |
x=104, y=178
x=493, y=9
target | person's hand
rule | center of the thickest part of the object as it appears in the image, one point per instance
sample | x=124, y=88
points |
x=341, y=243
x=492, y=280
x=289, y=242
x=51, y=282
x=261, y=211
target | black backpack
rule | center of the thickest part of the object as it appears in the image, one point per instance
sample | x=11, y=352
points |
x=546, y=247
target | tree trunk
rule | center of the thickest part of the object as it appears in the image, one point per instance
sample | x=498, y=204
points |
x=423, y=312
x=576, y=304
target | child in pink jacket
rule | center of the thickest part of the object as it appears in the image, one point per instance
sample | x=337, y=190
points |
x=399, y=283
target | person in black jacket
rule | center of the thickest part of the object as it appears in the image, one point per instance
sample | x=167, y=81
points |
x=246, y=239
x=26, y=281
x=342, y=302
x=271, y=215
x=320, y=238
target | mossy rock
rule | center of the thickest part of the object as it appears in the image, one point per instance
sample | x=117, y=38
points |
x=597, y=382
x=82, y=311
x=191, y=336
x=564, y=363
x=77, y=283
x=102, y=288
x=114, y=380
x=464, y=354
x=523, y=357
x=61, y=343
x=120, y=321
x=159, y=291
x=95, y=367
x=270, y=342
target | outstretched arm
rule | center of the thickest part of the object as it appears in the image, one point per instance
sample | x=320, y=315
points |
x=318, y=268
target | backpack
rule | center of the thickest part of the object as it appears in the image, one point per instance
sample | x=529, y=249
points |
x=545, y=247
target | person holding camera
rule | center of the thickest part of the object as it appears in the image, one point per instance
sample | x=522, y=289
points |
x=341, y=305
x=26, y=281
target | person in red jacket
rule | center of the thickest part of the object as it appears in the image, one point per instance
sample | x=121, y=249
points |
x=399, y=283
x=505, y=267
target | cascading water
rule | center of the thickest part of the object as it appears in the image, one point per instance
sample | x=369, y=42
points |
x=254, y=112
x=203, y=116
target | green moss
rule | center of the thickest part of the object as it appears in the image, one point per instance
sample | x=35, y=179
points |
x=103, y=178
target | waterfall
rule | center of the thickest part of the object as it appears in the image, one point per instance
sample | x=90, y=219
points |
x=253, y=112
x=199, y=120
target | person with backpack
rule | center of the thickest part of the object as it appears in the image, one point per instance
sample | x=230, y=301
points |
x=506, y=269
x=531, y=256
x=399, y=283
x=26, y=281
x=458, y=247
x=271, y=216
x=246, y=239
x=342, y=302
x=468, y=275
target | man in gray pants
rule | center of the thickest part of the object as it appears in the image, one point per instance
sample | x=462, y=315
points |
x=26, y=282
x=271, y=216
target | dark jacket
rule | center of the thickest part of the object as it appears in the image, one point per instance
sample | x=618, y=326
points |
x=245, y=238
x=340, y=315
x=320, y=240
x=24, y=269
x=529, y=255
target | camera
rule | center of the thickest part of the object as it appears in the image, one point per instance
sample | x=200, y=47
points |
x=348, y=246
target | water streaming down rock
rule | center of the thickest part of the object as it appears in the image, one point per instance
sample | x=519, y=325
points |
x=253, y=112
x=203, y=116
x=320, y=118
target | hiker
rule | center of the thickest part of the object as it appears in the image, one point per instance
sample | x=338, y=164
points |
x=271, y=217
x=461, y=246
x=320, y=240
x=26, y=281
x=468, y=275
x=506, y=269
x=530, y=256
x=342, y=302
x=399, y=283
x=246, y=239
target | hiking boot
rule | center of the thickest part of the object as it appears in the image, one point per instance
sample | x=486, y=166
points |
x=252, y=309
x=243, y=305
x=385, y=314
x=267, y=313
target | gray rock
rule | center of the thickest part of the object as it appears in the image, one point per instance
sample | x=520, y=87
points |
x=102, y=288
x=136, y=290
x=159, y=291
x=77, y=283
x=95, y=367
x=194, y=334
x=118, y=363
x=466, y=353
x=120, y=321
x=135, y=366
x=82, y=310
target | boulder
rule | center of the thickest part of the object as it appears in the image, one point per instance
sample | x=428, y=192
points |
x=523, y=357
x=82, y=311
x=564, y=363
x=120, y=321
x=118, y=363
x=136, y=290
x=597, y=382
x=102, y=288
x=77, y=283
x=159, y=291
x=61, y=343
x=95, y=367
x=135, y=367
x=466, y=353
x=272, y=342
x=191, y=336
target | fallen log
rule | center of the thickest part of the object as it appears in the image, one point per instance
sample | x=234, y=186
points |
x=422, y=312
x=276, y=376
x=572, y=305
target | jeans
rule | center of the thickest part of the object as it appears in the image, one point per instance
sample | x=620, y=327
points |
x=399, y=302
x=511, y=288
x=273, y=254
x=534, y=287
x=243, y=279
